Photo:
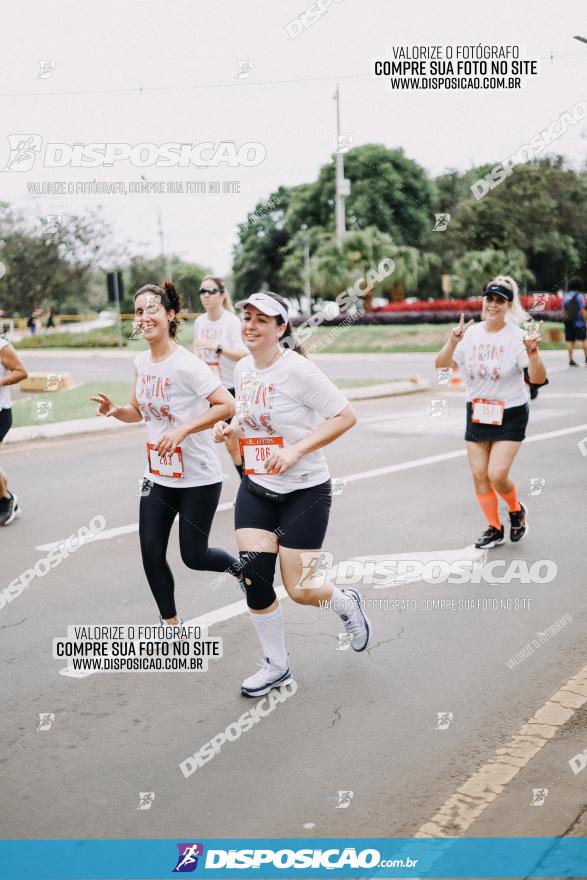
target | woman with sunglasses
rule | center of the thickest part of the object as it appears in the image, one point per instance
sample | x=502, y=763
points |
x=179, y=398
x=287, y=411
x=217, y=340
x=494, y=356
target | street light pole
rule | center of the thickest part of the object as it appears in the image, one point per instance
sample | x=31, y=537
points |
x=339, y=176
x=162, y=244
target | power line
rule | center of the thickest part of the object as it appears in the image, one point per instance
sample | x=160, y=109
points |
x=234, y=84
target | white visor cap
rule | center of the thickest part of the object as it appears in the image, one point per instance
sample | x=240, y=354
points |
x=266, y=305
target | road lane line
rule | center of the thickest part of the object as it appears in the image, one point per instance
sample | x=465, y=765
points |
x=106, y=534
x=219, y=615
x=471, y=799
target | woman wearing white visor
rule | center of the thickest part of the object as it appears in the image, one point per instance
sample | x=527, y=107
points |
x=287, y=410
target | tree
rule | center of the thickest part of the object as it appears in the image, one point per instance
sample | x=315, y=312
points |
x=187, y=278
x=475, y=268
x=540, y=209
x=51, y=266
x=388, y=191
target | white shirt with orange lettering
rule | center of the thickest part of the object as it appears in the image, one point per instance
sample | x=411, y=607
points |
x=289, y=399
x=172, y=393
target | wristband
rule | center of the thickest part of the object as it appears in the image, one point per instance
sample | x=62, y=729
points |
x=218, y=349
x=534, y=351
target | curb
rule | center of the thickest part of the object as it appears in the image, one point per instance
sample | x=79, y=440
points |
x=75, y=427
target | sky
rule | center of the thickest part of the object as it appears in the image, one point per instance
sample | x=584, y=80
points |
x=160, y=71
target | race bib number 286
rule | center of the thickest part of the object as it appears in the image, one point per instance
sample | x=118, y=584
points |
x=256, y=451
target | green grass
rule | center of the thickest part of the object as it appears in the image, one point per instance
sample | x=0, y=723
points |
x=392, y=338
x=104, y=337
x=382, y=339
x=75, y=404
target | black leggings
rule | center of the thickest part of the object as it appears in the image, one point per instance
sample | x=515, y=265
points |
x=5, y=422
x=196, y=506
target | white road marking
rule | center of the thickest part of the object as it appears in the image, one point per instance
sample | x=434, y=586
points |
x=227, y=612
x=471, y=799
x=350, y=478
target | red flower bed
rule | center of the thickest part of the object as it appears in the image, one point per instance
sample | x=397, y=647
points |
x=547, y=302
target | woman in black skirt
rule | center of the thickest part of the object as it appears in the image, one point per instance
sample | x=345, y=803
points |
x=494, y=355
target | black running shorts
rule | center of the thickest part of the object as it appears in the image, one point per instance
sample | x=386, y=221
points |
x=513, y=427
x=302, y=518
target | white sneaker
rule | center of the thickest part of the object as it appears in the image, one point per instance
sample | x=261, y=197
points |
x=356, y=622
x=268, y=677
x=175, y=626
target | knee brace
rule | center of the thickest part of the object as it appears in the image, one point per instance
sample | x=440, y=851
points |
x=257, y=571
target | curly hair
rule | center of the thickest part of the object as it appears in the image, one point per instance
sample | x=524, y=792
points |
x=170, y=300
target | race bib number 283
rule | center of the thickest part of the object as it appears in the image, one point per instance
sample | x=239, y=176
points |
x=167, y=465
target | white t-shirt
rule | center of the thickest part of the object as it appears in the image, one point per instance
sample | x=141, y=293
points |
x=173, y=393
x=289, y=399
x=5, y=402
x=493, y=364
x=226, y=331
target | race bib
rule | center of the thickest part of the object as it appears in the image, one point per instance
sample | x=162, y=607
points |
x=212, y=361
x=169, y=464
x=487, y=412
x=256, y=451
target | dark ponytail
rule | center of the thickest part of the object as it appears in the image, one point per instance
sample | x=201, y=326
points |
x=170, y=300
x=288, y=340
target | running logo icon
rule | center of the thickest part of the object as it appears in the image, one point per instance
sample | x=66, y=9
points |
x=23, y=150
x=441, y=222
x=187, y=860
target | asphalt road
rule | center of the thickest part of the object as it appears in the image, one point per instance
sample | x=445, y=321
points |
x=365, y=723
x=110, y=366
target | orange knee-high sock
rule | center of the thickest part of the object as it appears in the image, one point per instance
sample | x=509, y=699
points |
x=489, y=505
x=511, y=499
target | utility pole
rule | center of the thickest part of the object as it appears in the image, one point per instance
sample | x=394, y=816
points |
x=307, y=287
x=162, y=243
x=342, y=185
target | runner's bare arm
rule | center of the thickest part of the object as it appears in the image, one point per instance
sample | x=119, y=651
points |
x=10, y=359
x=328, y=431
x=222, y=407
x=444, y=358
x=234, y=354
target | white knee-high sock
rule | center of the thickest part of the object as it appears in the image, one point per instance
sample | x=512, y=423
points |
x=271, y=634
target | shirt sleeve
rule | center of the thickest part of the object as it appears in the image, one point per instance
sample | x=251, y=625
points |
x=235, y=338
x=580, y=301
x=202, y=379
x=315, y=390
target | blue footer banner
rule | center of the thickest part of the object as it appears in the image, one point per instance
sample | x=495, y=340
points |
x=298, y=857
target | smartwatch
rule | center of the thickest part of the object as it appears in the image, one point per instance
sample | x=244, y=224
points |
x=218, y=349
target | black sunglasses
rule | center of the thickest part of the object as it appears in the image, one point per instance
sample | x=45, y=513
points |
x=203, y=290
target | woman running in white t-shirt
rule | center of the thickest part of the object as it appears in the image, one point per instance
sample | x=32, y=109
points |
x=287, y=410
x=493, y=356
x=12, y=371
x=179, y=398
x=217, y=340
